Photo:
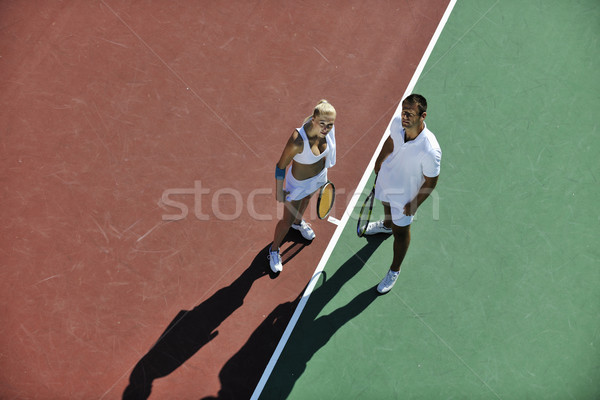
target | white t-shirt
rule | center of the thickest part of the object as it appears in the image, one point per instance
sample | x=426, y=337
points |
x=401, y=173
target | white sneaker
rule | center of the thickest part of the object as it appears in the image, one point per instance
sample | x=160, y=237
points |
x=305, y=230
x=388, y=282
x=377, y=227
x=275, y=261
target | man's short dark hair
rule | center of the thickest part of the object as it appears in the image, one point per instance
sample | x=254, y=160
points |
x=418, y=100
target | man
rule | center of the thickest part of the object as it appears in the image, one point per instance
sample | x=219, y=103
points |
x=407, y=171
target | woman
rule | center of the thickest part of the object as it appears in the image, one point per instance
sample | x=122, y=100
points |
x=310, y=150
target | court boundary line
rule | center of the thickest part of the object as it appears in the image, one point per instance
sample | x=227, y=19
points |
x=347, y=213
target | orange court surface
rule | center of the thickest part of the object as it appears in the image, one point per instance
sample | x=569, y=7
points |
x=139, y=140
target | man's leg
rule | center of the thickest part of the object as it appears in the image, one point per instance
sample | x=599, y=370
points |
x=387, y=211
x=401, y=243
x=381, y=226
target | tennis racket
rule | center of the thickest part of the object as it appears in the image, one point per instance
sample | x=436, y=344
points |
x=325, y=201
x=365, y=213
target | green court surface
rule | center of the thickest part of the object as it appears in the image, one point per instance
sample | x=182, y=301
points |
x=499, y=295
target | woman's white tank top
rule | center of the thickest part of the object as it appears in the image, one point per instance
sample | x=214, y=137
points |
x=307, y=156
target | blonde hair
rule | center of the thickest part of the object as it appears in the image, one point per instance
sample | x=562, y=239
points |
x=322, y=107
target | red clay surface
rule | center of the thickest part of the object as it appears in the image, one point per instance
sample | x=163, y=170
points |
x=108, y=104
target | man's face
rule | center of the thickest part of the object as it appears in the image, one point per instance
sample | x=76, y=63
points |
x=411, y=118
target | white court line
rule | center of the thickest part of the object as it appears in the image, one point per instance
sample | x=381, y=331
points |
x=334, y=220
x=338, y=231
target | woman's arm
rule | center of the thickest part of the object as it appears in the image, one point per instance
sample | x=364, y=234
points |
x=293, y=146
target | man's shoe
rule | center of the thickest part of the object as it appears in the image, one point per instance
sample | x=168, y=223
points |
x=275, y=261
x=305, y=230
x=388, y=282
x=377, y=227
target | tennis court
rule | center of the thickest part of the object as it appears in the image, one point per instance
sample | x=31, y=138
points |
x=138, y=148
x=499, y=294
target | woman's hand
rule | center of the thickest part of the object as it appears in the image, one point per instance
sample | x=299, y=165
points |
x=281, y=195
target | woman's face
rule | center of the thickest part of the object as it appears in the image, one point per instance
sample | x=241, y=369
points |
x=324, y=122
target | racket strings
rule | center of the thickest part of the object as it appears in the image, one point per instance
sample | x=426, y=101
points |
x=326, y=201
x=365, y=214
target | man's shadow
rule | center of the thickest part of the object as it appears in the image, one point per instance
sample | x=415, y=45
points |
x=241, y=374
x=190, y=330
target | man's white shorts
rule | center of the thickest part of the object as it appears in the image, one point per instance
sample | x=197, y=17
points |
x=398, y=217
x=396, y=199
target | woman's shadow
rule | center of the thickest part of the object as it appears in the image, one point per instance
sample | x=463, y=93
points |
x=190, y=330
x=241, y=374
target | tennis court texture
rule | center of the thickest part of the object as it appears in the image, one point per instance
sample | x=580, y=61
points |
x=138, y=147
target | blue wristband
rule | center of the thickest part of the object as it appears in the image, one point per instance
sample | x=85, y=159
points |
x=279, y=173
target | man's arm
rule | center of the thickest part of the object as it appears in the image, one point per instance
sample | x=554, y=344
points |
x=386, y=150
x=424, y=192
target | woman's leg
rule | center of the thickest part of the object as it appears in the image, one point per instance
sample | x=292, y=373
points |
x=303, y=204
x=290, y=213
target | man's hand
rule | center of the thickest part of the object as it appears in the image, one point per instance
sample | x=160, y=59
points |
x=410, y=208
